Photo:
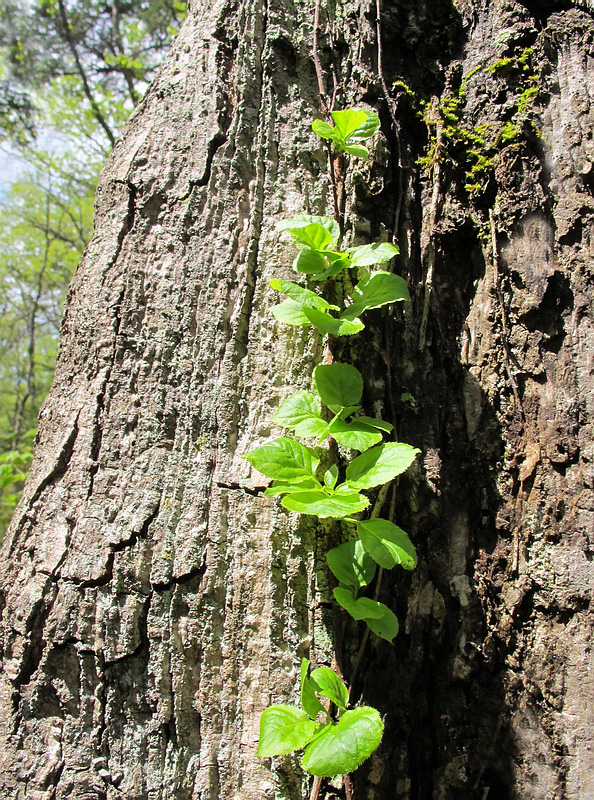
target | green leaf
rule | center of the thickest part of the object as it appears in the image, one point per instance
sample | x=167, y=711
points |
x=285, y=460
x=302, y=413
x=327, y=324
x=279, y=488
x=376, y=290
x=356, y=150
x=338, y=385
x=368, y=254
x=324, y=130
x=291, y=313
x=330, y=685
x=380, y=464
x=322, y=504
x=348, y=121
x=309, y=701
x=331, y=476
x=341, y=748
x=368, y=128
x=350, y=564
x=386, y=543
x=377, y=423
x=386, y=627
x=358, y=608
x=284, y=729
x=314, y=235
x=300, y=295
x=301, y=220
x=355, y=434
x=310, y=262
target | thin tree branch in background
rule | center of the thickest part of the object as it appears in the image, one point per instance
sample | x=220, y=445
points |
x=86, y=87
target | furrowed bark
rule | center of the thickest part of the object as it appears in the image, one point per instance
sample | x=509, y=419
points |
x=154, y=602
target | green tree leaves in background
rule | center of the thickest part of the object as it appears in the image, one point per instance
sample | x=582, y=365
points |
x=71, y=71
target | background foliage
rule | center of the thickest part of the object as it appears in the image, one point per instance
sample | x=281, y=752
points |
x=71, y=71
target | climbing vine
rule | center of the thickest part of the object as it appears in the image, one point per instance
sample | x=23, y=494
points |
x=311, y=479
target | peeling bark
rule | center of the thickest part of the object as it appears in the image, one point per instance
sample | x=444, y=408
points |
x=154, y=602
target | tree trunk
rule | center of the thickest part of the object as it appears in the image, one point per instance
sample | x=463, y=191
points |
x=154, y=601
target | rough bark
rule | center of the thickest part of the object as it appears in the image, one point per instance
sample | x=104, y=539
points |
x=154, y=602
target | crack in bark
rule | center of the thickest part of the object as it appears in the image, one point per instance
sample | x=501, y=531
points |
x=58, y=470
x=180, y=580
x=255, y=492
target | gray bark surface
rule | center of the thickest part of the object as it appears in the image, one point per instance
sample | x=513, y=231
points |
x=153, y=601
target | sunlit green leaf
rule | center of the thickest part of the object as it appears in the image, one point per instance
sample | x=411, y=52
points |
x=284, y=729
x=376, y=290
x=302, y=413
x=314, y=235
x=348, y=121
x=355, y=434
x=330, y=685
x=280, y=487
x=368, y=254
x=310, y=262
x=309, y=701
x=302, y=220
x=323, y=129
x=300, y=295
x=356, y=150
x=322, y=504
x=331, y=476
x=341, y=748
x=380, y=465
x=368, y=128
x=285, y=460
x=291, y=313
x=377, y=423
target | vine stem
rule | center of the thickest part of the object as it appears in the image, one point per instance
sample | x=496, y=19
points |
x=316, y=58
x=315, y=789
x=378, y=585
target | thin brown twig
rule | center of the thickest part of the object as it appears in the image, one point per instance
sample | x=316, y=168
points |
x=316, y=58
x=348, y=787
x=315, y=789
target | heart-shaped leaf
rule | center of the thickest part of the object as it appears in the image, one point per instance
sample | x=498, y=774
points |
x=341, y=748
